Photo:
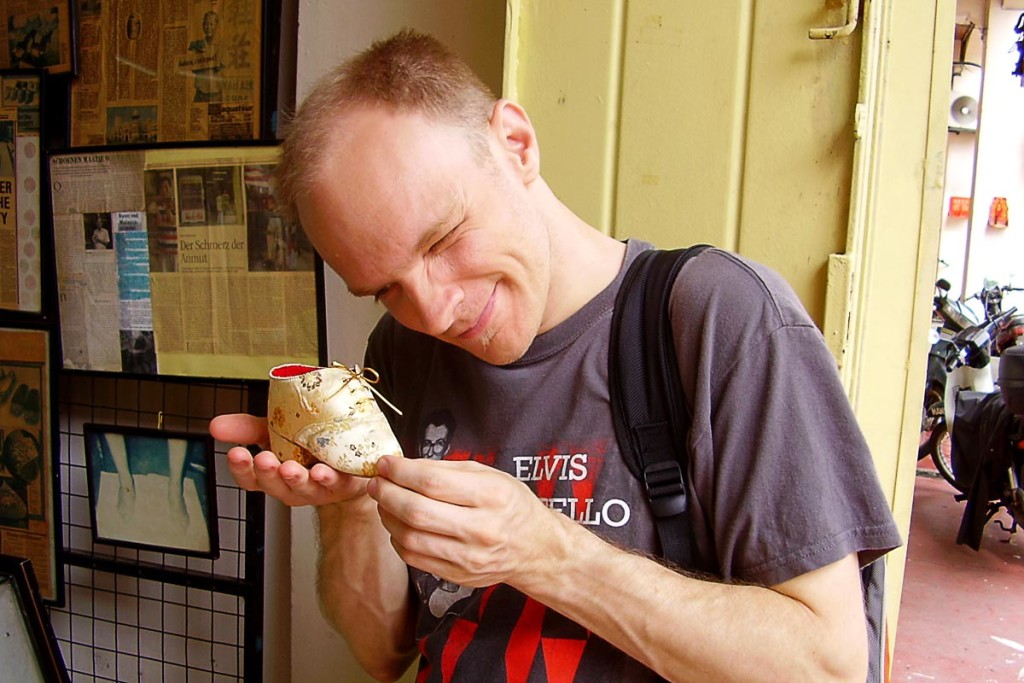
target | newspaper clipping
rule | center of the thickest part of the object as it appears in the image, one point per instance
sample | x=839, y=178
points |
x=178, y=262
x=35, y=34
x=20, y=160
x=163, y=71
x=26, y=489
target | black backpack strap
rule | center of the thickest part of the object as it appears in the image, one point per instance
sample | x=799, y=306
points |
x=649, y=409
x=652, y=422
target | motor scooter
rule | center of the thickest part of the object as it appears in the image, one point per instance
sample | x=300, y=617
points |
x=988, y=452
x=1010, y=332
x=967, y=362
x=948, y=318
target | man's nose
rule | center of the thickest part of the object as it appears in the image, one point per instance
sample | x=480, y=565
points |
x=435, y=304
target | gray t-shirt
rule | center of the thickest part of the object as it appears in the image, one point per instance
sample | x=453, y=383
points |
x=783, y=480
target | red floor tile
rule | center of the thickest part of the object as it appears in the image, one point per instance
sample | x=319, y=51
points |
x=962, y=614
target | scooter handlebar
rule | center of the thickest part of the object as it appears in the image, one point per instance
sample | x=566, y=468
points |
x=973, y=343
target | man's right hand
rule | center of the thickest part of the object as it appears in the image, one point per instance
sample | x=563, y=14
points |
x=288, y=482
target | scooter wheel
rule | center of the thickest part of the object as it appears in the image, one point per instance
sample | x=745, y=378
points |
x=940, y=447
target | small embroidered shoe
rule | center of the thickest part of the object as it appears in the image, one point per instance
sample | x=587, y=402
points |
x=329, y=415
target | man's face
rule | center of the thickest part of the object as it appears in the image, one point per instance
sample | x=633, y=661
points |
x=448, y=241
x=435, y=442
x=209, y=24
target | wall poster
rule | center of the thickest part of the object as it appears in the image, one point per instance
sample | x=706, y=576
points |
x=20, y=164
x=27, y=506
x=167, y=71
x=178, y=262
x=37, y=34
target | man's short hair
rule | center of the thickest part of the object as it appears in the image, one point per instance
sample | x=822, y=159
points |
x=408, y=72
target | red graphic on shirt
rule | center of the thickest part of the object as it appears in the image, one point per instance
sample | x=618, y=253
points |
x=484, y=599
x=484, y=458
x=458, y=640
x=557, y=472
x=525, y=641
x=561, y=656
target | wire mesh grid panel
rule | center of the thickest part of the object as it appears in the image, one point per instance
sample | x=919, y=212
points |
x=123, y=628
x=148, y=607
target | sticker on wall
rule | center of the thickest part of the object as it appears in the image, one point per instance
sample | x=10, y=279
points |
x=959, y=207
x=999, y=213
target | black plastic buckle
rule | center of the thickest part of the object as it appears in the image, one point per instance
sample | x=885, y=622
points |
x=666, y=488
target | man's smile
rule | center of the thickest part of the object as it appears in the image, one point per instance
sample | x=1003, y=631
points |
x=481, y=323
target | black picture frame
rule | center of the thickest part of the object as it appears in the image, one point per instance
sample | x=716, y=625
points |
x=29, y=649
x=152, y=489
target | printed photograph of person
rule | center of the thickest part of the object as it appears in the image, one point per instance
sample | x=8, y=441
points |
x=161, y=221
x=151, y=488
x=97, y=231
x=209, y=196
x=275, y=242
x=204, y=58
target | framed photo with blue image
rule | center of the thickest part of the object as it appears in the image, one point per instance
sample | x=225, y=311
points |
x=152, y=489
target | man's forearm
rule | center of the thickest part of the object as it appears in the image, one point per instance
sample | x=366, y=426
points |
x=364, y=587
x=811, y=628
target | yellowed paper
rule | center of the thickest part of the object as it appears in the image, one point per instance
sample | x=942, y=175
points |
x=188, y=268
x=167, y=71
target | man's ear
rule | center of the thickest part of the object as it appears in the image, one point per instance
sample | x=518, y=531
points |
x=516, y=138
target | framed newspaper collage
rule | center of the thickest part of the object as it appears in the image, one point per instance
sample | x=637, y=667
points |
x=169, y=71
x=177, y=262
x=138, y=231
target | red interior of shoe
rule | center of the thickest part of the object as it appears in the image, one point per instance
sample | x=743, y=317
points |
x=295, y=370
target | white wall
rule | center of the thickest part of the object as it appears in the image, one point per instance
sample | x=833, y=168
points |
x=987, y=164
x=999, y=253
x=960, y=150
x=329, y=31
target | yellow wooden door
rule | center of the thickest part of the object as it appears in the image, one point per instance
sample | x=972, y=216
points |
x=681, y=121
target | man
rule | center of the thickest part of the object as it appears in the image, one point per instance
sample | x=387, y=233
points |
x=206, y=62
x=100, y=236
x=420, y=189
